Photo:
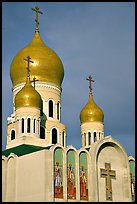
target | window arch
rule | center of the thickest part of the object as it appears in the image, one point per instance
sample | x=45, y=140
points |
x=34, y=125
x=89, y=138
x=58, y=173
x=95, y=135
x=12, y=134
x=58, y=110
x=42, y=132
x=84, y=139
x=50, y=108
x=28, y=125
x=63, y=139
x=83, y=175
x=22, y=125
x=41, y=108
x=54, y=136
x=71, y=174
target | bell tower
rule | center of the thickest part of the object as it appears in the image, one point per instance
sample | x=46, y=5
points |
x=91, y=118
x=47, y=73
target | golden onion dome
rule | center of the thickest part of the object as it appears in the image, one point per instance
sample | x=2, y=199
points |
x=28, y=97
x=91, y=112
x=47, y=66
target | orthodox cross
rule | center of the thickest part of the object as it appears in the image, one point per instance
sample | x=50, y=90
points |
x=90, y=85
x=36, y=9
x=34, y=80
x=107, y=173
x=28, y=69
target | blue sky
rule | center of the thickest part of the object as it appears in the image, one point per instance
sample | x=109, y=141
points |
x=96, y=39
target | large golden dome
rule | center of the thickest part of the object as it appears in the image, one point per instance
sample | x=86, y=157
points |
x=91, y=112
x=28, y=97
x=47, y=66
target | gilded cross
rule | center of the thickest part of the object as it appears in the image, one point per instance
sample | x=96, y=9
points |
x=107, y=173
x=28, y=69
x=34, y=80
x=90, y=85
x=36, y=9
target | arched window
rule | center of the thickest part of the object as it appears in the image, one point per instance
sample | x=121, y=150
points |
x=94, y=136
x=51, y=108
x=22, y=125
x=28, y=125
x=54, y=136
x=42, y=133
x=89, y=138
x=58, y=110
x=84, y=139
x=63, y=139
x=41, y=108
x=12, y=134
x=58, y=173
x=83, y=176
x=34, y=126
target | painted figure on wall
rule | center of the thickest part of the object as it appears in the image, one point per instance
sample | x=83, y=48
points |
x=83, y=182
x=71, y=182
x=58, y=181
x=83, y=176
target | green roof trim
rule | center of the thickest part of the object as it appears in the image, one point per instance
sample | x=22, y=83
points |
x=23, y=149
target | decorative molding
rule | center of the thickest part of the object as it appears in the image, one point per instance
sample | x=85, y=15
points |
x=37, y=85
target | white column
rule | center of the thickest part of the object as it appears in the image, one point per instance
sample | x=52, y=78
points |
x=97, y=136
x=59, y=111
x=54, y=110
x=38, y=126
x=92, y=138
x=64, y=139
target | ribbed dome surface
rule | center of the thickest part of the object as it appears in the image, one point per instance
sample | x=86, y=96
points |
x=27, y=97
x=91, y=112
x=47, y=66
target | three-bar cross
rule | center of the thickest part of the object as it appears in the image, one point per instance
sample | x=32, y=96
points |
x=28, y=69
x=90, y=85
x=36, y=9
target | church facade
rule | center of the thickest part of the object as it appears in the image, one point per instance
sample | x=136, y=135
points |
x=37, y=165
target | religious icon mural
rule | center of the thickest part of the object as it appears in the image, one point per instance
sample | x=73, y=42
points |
x=83, y=176
x=58, y=176
x=71, y=187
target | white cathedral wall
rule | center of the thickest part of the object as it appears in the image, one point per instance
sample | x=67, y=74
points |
x=34, y=175
x=4, y=170
x=11, y=178
x=30, y=177
x=110, y=155
x=110, y=151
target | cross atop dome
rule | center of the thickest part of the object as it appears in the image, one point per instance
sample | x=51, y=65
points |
x=36, y=9
x=90, y=83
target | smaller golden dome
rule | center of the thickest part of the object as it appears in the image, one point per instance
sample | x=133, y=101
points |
x=91, y=112
x=27, y=97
